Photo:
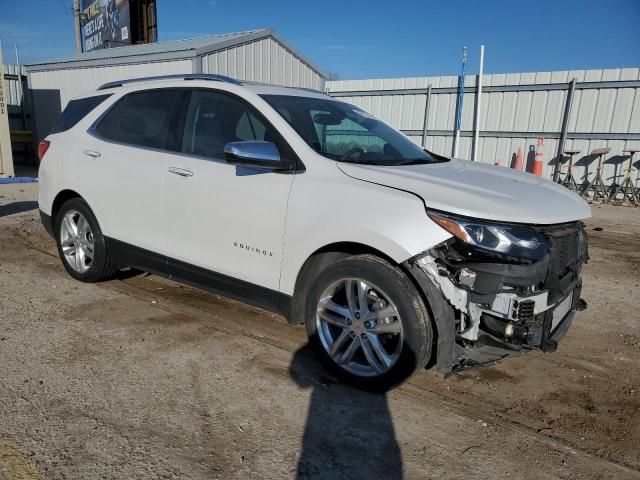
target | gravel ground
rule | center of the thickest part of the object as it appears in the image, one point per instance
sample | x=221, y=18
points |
x=142, y=378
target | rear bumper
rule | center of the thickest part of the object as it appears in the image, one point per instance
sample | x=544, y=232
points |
x=47, y=222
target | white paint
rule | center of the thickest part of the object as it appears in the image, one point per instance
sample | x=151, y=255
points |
x=479, y=190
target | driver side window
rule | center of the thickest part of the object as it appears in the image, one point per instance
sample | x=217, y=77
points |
x=214, y=119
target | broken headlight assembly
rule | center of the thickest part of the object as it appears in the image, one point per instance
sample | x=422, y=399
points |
x=487, y=241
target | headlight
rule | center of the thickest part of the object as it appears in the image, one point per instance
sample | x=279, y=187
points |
x=514, y=241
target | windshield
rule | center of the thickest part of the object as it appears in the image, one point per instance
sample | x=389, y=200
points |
x=344, y=132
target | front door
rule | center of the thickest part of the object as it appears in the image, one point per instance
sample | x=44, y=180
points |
x=221, y=217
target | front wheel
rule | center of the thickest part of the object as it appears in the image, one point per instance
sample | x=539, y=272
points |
x=368, y=322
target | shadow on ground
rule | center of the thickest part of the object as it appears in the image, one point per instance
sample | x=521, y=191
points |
x=17, y=207
x=349, y=434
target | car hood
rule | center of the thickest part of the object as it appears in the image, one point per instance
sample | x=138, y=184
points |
x=479, y=190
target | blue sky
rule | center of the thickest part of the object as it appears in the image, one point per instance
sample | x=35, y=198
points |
x=365, y=39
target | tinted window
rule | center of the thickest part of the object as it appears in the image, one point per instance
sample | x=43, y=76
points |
x=143, y=119
x=146, y=118
x=108, y=126
x=215, y=119
x=75, y=111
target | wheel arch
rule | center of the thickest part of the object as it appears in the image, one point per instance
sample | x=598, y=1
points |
x=331, y=253
x=62, y=197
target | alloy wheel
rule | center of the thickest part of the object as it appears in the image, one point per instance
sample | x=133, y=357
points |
x=76, y=240
x=359, y=327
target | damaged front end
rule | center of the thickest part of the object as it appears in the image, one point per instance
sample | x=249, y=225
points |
x=497, y=290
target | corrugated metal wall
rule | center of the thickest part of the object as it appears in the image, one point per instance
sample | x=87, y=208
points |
x=265, y=61
x=16, y=91
x=52, y=89
x=606, y=115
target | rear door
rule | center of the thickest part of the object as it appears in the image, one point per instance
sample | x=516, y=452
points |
x=129, y=153
x=223, y=218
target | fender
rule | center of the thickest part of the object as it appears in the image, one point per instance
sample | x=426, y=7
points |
x=391, y=221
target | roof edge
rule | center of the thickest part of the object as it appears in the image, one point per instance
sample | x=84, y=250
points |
x=106, y=62
x=297, y=54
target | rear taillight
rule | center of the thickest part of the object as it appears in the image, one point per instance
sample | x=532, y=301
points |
x=42, y=148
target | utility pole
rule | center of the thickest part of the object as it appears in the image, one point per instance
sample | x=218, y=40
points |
x=456, y=138
x=76, y=21
x=476, y=133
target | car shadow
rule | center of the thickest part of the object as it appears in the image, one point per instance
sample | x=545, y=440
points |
x=17, y=207
x=349, y=434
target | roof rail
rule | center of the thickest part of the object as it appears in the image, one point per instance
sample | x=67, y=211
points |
x=183, y=76
x=312, y=90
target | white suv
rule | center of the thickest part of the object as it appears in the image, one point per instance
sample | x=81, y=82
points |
x=393, y=257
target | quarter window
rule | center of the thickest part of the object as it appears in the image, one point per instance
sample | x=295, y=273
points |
x=76, y=110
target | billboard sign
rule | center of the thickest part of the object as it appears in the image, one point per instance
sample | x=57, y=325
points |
x=105, y=24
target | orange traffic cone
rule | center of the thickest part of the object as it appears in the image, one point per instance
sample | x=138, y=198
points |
x=537, y=162
x=519, y=165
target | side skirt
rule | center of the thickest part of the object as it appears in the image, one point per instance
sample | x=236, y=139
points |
x=198, y=277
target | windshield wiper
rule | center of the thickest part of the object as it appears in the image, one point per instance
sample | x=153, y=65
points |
x=415, y=161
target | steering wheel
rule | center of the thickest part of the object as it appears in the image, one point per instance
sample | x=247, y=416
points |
x=352, y=151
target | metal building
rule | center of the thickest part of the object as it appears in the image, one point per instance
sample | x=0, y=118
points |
x=256, y=55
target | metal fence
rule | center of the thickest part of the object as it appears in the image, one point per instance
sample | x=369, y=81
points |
x=603, y=110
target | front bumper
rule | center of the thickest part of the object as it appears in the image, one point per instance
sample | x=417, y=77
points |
x=506, y=309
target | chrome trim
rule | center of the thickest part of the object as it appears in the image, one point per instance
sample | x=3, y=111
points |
x=254, y=150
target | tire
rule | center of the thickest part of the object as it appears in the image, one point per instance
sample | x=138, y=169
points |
x=401, y=319
x=83, y=251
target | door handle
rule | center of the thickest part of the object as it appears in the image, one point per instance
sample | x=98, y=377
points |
x=92, y=153
x=183, y=172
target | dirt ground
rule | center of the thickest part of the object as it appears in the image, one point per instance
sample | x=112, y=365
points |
x=139, y=377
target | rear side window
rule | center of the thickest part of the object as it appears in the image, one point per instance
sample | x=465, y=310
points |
x=76, y=110
x=142, y=119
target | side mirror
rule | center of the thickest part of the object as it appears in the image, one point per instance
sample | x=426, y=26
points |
x=255, y=153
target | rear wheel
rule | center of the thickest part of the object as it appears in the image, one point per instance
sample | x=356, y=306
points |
x=368, y=322
x=81, y=245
